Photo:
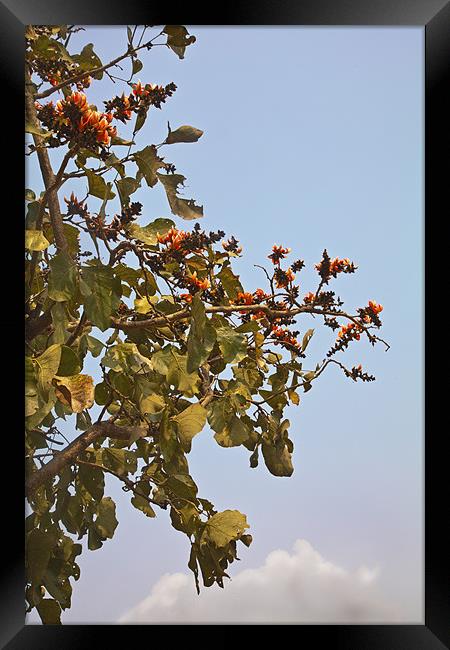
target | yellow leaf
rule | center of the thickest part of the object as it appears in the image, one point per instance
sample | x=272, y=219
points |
x=76, y=391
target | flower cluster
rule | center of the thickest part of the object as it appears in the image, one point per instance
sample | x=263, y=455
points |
x=297, y=265
x=370, y=313
x=74, y=206
x=180, y=243
x=96, y=224
x=283, y=278
x=120, y=221
x=140, y=100
x=198, y=283
x=278, y=253
x=173, y=238
x=329, y=268
x=357, y=373
x=54, y=69
x=73, y=120
x=232, y=246
x=349, y=332
x=285, y=337
x=247, y=298
x=244, y=299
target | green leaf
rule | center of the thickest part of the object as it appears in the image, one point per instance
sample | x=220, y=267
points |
x=45, y=405
x=121, y=461
x=184, y=208
x=102, y=291
x=249, y=326
x=139, y=500
x=143, y=306
x=88, y=60
x=69, y=363
x=278, y=461
x=149, y=233
x=151, y=404
x=98, y=186
x=306, y=339
x=184, y=134
x=125, y=357
x=127, y=274
x=63, y=277
x=148, y=163
x=230, y=282
x=178, y=39
x=126, y=186
x=47, y=365
x=39, y=549
x=232, y=345
x=51, y=49
x=190, y=422
x=143, y=505
x=233, y=434
x=182, y=485
x=224, y=527
x=170, y=363
x=101, y=393
x=140, y=120
x=88, y=342
x=71, y=233
x=37, y=130
x=167, y=438
x=35, y=240
x=50, y=611
x=106, y=522
x=93, y=480
x=121, y=141
x=137, y=66
x=202, y=336
x=219, y=413
x=60, y=321
x=31, y=392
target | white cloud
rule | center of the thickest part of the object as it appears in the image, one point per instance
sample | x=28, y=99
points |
x=297, y=587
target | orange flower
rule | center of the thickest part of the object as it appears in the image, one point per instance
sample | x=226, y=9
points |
x=231, y=246
x=375, y=307
x=290, y=275
x=187, y=297
x=258, y=315
x=200, y=284
x=284, y=277
x=350, y=330
x=260, y=295
x=173, y=238
x=278, y=253
x=77, y=98
x=138, y=88
x=245, y=298
x=309, y=298
x=284, y=336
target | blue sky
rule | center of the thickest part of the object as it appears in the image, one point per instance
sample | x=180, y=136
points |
x=313, y=138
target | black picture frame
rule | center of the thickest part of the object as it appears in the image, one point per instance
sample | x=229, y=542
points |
x=434, y=16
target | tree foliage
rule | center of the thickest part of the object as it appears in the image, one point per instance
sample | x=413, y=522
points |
x=179, y=342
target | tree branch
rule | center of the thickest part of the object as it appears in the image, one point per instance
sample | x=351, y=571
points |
x=88, y=73
x=50, y=180
x=70, y=453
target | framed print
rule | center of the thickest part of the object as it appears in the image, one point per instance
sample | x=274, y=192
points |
x=179, y=468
